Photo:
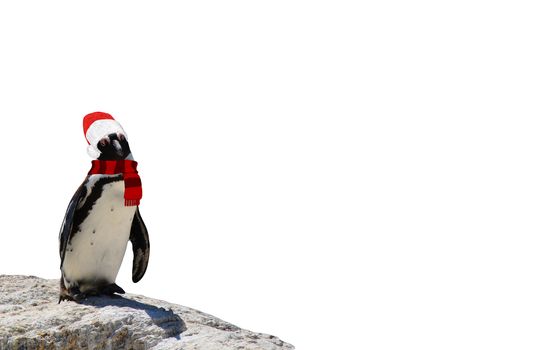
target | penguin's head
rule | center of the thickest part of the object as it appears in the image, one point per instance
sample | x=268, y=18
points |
x=114, y=147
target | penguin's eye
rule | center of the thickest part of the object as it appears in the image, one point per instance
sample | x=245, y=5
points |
x=104, y=142
x=121, y=137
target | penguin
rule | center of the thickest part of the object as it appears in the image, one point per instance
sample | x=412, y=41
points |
x=102, y=216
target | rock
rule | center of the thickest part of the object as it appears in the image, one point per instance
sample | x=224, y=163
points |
x=31, y=318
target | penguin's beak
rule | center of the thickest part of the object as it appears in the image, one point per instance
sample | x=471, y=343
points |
x=118, y=148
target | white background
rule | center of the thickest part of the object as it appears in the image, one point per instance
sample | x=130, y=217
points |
x=344, y=175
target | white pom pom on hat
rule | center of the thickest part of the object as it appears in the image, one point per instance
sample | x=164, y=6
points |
x=96, y=125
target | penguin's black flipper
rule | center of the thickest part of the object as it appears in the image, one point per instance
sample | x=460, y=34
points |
x=141, y=247
x=67, y=224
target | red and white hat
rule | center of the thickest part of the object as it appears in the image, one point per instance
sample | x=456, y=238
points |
x=97, y=125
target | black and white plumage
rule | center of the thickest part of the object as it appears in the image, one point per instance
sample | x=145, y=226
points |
x=96, y=230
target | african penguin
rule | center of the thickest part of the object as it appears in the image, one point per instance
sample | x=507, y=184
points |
x=100, y=220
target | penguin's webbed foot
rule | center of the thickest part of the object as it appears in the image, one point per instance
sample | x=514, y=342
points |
x=63, y=297
x=78, y=297
x=71, y=294
x=75, y=294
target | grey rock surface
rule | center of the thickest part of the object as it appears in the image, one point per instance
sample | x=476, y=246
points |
x=31, y=318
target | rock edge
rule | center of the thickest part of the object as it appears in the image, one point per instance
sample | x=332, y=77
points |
x=31, y=318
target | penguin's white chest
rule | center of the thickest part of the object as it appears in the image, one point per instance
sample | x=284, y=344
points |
x=95, y=253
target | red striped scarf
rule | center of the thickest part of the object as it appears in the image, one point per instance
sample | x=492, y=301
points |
x=133, y=191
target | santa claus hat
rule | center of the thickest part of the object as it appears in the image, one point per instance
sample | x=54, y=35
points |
x=97, y=125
